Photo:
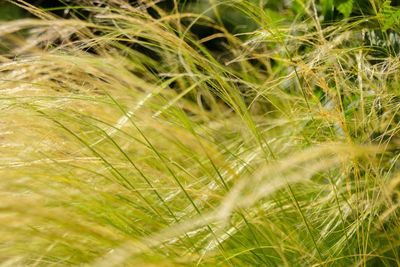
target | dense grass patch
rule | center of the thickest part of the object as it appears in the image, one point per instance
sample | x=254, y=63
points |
x=129, y=137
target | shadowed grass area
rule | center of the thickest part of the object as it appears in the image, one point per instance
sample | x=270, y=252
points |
x=125, y=140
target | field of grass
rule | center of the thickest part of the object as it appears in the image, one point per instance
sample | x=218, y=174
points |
x=129, y=139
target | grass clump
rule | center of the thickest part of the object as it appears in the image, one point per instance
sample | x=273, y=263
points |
x=128, y=139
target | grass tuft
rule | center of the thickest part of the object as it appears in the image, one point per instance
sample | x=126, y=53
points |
x=126, y=139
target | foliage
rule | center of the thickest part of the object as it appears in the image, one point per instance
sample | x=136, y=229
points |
x=390, y=16
x=10, y=12
x=344, y=6
x=126, y=139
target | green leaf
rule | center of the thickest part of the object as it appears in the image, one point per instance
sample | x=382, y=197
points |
x=390, y=16
x=345, y=7
x=298, y=7
x=327, y=9
x=10, y=12
x=327, y=5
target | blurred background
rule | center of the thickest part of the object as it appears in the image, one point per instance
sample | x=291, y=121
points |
x=234, y=20
x=330, y=10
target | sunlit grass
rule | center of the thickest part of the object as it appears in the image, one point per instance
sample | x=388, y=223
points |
x=126, y=141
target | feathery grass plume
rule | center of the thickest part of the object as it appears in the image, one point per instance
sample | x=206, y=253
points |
x=125, y=140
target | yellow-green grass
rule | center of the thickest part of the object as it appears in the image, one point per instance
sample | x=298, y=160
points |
x=125, y=141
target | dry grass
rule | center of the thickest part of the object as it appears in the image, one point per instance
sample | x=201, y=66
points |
x=125, y=141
